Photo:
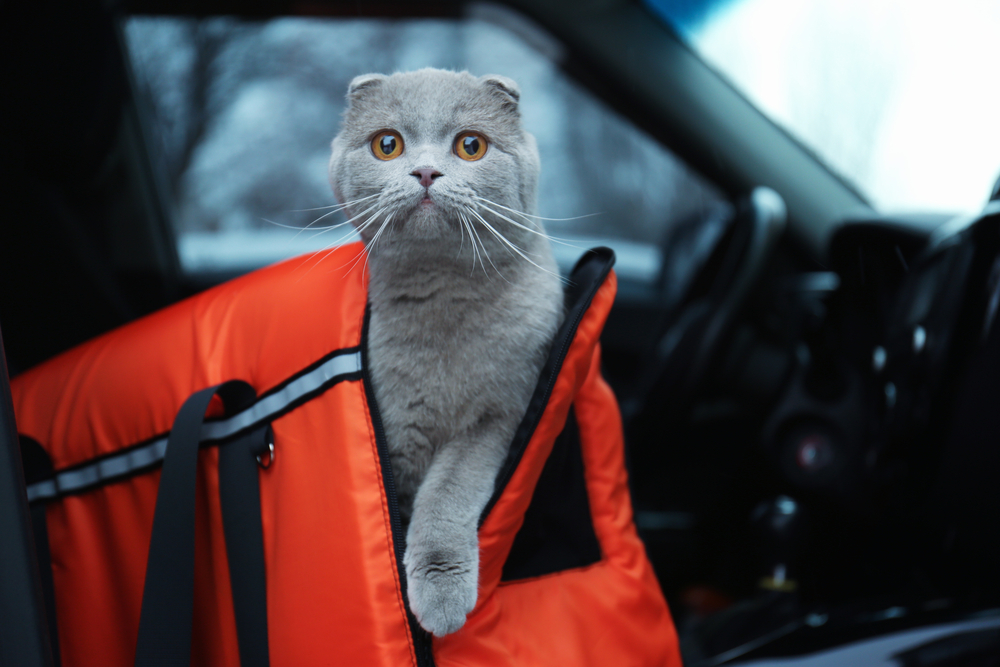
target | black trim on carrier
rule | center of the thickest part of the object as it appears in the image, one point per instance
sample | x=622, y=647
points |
x=585, y=280
x=421, y=638
x=558, y=530
x=336, y=367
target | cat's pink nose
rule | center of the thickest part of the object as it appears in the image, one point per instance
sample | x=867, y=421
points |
x=426, y=175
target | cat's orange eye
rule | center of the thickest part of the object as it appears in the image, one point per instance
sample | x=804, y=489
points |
x=387, y=145
x=471, y=146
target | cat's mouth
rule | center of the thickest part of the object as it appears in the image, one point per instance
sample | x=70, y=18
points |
x=430, y=216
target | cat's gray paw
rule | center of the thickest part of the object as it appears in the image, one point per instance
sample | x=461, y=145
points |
x=442, y=588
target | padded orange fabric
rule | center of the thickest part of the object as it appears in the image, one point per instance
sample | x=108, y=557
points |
x=334, y=595
x=609, y=613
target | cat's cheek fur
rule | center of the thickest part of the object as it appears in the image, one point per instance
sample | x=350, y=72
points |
x=335, y=172
x=530, y=169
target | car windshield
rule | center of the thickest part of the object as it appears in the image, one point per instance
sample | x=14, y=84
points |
x=897, y=97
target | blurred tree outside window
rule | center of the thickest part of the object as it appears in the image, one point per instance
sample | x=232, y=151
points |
x=242, y=115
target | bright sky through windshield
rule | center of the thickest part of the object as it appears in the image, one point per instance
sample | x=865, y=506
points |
x=898, y=96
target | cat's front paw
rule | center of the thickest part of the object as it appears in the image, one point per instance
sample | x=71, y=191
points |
x=442, y=588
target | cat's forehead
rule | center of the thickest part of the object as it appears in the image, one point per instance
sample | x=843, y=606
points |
x=431, y=103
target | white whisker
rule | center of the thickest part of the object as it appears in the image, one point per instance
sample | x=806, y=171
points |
x=337, y=209
x=333, y=246
x=310, y=225
x=461, y=229
x=500, y=236
x=553, y=239
x=370, y=247
x=504, y=246
x=503, y=238
x=536, y=217
x=323, y=230
x=381, y=229
x=488, y=258
x=482, y=251
x=475, y=248
x=278, y=224
x=337, y=206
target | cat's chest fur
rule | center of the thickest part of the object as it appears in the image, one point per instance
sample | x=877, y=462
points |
x=451, y=356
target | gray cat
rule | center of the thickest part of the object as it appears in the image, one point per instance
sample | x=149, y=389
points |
x=441, y=181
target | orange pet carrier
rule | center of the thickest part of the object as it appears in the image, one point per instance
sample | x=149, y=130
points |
x=268, y=531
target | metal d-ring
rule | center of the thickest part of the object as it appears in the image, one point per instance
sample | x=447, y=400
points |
x=270, y=451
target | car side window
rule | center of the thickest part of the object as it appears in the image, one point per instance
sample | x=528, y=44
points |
x=242, y=113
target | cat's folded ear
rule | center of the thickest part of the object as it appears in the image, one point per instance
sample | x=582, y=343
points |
x=363, y=84
x=505, y=88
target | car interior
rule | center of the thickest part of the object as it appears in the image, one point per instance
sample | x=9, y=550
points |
x=808, y=386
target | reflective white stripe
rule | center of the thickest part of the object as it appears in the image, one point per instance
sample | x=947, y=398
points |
x=261, y=410
x=147, y=455
x=46, y=489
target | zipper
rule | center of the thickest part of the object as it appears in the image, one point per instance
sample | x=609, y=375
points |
x=605, y=260
x=421, y=638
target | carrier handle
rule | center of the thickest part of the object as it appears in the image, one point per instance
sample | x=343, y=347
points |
x=165, y=622
x=239, y=493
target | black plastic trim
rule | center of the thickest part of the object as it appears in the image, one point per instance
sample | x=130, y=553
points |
x=24, y=632
x=38, y=466
x=585, y=280
x=421, y=638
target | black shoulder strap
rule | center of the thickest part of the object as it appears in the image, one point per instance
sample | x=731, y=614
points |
x=165, y=622
x=239, y=493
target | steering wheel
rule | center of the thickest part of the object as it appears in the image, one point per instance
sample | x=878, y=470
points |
x=697, y=321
